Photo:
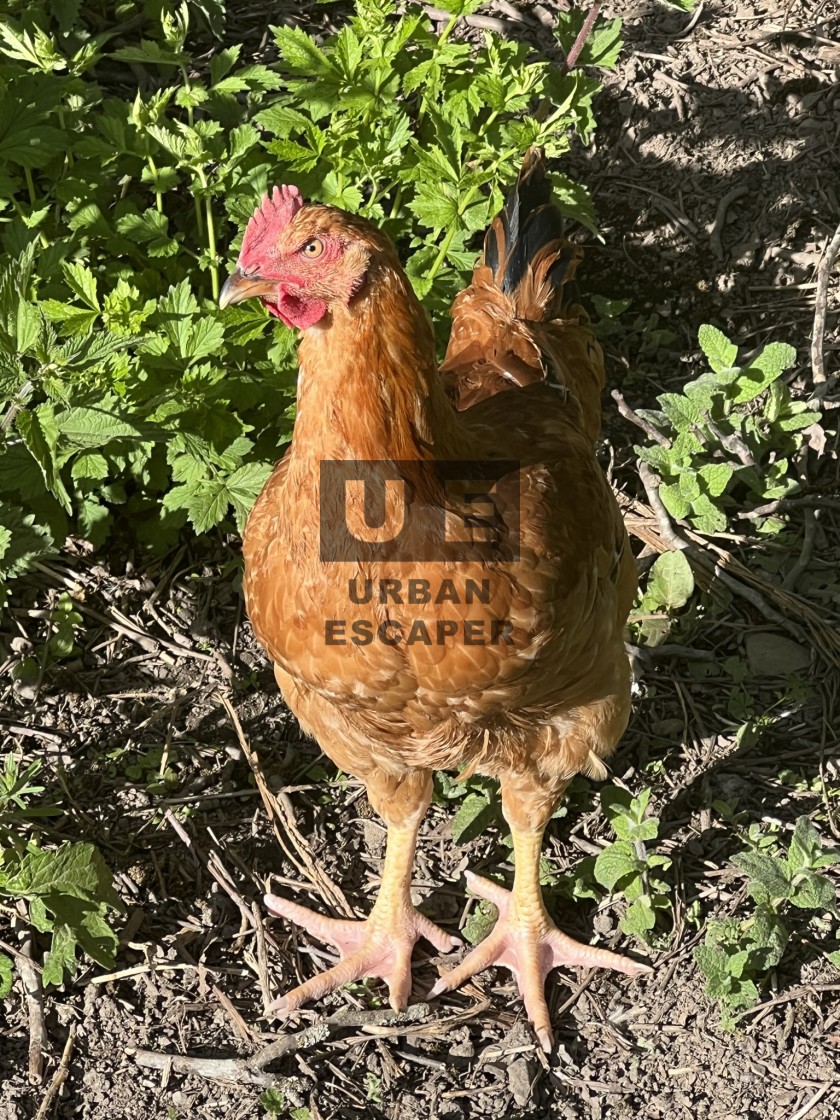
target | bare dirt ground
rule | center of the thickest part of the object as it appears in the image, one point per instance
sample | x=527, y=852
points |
x=715, y=178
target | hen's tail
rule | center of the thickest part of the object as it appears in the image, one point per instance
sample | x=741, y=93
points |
x=513, y=326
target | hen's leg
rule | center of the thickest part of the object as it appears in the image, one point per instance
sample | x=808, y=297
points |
x=382, y=945
x=525, y=939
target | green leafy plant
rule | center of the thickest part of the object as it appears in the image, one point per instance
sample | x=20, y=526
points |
x=628, y=866
x=728, y=438
x=670, y=585
x=738, y=953
x=128, y=400
x=479, y=804
x=66, y=891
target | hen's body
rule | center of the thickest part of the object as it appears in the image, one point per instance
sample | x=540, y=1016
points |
x=532, y=686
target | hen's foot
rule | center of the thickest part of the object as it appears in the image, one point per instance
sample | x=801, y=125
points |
x=526, y=941
x=380, y=946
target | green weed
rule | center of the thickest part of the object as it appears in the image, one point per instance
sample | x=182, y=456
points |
x=66, y=892
x=738, y=953
x=131, y=158
x=728, y=439
x=627, y=866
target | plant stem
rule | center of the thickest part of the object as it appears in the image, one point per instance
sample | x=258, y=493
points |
x=158, y=195
x=453, y=229
x=31, y=187
x=199, y=216
x=447, y=31
x=444, y=249
x=211, y=245
x=583, y=35
x=33, y=202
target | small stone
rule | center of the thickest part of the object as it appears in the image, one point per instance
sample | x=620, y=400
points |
x=463, y=1049
x=770, y=654
x=520, y=1081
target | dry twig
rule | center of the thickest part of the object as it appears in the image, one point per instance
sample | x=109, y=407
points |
x=821, y=303
x=289, y=837
x=716, y=228
x=58, y=1078
x=250, y=1071
x=33, y=992
x=629, y=414
x=669, y=534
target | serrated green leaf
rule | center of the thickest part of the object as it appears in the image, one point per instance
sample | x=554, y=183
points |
x=207, y=505
x=712, y=962
x=88, y=427
x=715, y=478
x=673, y=500
x=75, y=869
x=41, y=446
x=436, y=205
x=149, y=229
x=812, y=891
x=62, y=956
x=244, y=486
x=148, y=51
x=300, y=54
x=83, y=283
x=805, y=846
x=706, y=516
x=25, y=540
x=639, y=918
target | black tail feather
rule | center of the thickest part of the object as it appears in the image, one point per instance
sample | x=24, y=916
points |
x=528, y=221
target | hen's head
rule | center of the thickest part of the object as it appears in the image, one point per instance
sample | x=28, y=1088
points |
x=300, y=260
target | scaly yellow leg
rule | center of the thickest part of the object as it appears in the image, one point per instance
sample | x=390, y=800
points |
x=526, y=940
x=380, y=946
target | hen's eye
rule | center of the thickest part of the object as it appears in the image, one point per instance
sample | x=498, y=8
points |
x=313, y=248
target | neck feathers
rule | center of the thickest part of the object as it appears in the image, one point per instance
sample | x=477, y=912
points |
x=369, y=387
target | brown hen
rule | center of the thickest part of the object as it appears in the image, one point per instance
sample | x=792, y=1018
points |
x=437, y=568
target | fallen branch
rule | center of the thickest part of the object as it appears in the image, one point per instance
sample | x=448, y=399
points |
x=669, y=534
x=809, y=537
x=484, y=23
x=629, y=414
x=33, y=993
x=821, y=303
x=235, y=1071
x=251, y=1071
x=58, y=1078
x=789, y=503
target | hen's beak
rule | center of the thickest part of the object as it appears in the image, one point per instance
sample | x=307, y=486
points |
x=238, y=286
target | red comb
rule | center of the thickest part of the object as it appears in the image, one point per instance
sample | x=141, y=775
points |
x=271, y=216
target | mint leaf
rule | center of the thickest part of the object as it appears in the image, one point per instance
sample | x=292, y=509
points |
x=720, y=352
x=671, y=581
x=615, y=863
x=6, y=975
x=474, y=814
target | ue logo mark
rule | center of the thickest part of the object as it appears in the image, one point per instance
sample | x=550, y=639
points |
x=463, y=510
